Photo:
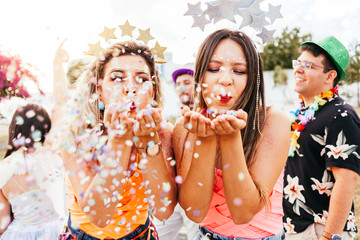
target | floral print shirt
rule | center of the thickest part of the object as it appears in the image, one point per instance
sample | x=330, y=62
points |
x=330, y=140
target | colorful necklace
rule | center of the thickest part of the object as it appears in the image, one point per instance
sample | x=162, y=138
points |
x=303, y=116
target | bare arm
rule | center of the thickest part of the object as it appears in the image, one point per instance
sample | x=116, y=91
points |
x=60, y=82
x=240, y=183
x=341, y=199
x=158, y=172
x=196, y=164
x=89, y=187
x=5, y=213
x=98, y=192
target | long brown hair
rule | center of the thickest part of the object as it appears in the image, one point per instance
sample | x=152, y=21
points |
x=29, y=124
x=253, y=95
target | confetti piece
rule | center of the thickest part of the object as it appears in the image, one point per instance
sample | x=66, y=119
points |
x=166, y=187
x=196, y=212
x=19, y=120
x=241, y=176
x=91, y=202
x=178, y=179
x=86, y=209
x=30, y=114
x=237, y=201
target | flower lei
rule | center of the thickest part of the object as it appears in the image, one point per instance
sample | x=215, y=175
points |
x=302, y=116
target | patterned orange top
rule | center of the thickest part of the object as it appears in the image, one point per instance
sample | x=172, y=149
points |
x=131, y=211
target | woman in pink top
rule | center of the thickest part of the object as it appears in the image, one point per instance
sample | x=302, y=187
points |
x=231, y=148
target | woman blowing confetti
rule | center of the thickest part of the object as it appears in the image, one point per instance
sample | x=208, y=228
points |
x=116, y=148
x=231, y=149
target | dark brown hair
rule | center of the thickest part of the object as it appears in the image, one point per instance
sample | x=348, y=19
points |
x=247, y=101
x=31, y=123
x=327, y=62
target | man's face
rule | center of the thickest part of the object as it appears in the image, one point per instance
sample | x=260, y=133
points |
x=185, y=88
x=310, y=82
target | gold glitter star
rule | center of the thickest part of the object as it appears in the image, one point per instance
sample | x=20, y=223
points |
x=126, y=29
x=158, y=50
x=108, y=33
x=145, y=36
x=94, y=49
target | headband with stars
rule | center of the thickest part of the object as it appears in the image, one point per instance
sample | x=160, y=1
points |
x=249, y=11
x=127, y=30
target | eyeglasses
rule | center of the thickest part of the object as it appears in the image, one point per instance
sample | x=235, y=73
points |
x=306, y=65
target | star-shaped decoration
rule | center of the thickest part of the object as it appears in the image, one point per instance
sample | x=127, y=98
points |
x=259, y=22
x=213, y=11
x=145, y=36
x=274, y=13
x=255, y=9
x=158, y=50
x=126, y=29
x=200, y=21
x=228, y=9
x=245, y=3
x=266, y=35
x=193, y=10
x=247, y=19
x=94, y=49
x=108, y=33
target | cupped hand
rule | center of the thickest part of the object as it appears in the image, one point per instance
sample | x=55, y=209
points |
x=118, y=123
x=197, y=124
x=148, y=121
x=229, y=123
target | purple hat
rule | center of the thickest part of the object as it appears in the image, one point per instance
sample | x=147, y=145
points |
x=182, y=71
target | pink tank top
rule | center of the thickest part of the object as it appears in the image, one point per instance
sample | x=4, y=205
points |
x=218, y=218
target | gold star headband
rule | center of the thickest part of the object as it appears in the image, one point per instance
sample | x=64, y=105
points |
x=127, y=30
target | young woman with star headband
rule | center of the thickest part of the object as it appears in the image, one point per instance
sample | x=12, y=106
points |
x=117, y=147
x=231, y=149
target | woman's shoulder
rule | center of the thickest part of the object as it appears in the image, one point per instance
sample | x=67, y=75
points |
x=276, y=119
x=276, y=113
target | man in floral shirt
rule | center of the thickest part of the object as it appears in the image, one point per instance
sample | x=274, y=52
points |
x=322, y=170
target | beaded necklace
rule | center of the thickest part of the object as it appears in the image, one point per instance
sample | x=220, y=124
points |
x=303, y=116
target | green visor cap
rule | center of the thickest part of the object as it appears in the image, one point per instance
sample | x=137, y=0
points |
x=337, y=52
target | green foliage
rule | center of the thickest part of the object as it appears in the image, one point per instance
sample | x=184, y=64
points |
x=280, y=76
x=284, y=49
x=353, y=70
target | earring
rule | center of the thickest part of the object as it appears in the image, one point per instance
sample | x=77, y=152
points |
x=257, y=113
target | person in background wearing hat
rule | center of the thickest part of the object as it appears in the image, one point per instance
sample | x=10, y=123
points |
x=322, y=170
x=178, y=226
x=184, y=81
